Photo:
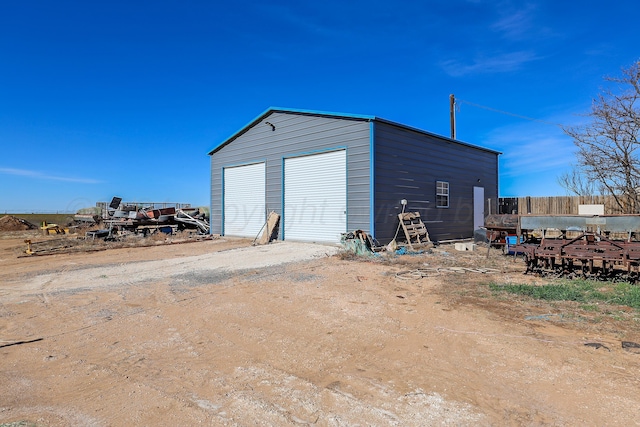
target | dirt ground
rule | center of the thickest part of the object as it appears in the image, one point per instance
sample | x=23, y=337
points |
x=219, y=332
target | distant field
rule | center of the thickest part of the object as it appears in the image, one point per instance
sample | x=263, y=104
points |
x=37, y=219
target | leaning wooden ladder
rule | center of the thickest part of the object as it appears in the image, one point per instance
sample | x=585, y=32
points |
x=414, y=229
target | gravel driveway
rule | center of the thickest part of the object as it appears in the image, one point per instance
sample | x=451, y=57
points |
x=216, y=264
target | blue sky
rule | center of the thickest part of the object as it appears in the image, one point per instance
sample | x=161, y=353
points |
x=106, y=98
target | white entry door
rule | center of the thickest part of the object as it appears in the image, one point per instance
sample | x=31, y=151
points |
x=478, y=207
x=244, y=200
x=315, y=197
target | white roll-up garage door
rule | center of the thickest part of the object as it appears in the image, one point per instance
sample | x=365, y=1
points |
x=244, y=200
x=315, y=197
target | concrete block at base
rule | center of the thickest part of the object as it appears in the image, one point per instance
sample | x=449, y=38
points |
x=465, y=246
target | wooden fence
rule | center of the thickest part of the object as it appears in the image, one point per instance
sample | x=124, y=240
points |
x=557, y=205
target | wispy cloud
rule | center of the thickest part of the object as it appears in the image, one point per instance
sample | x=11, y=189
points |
x=532, y=166
x=542, y=155
x=501, y=63
x=532, y=149
x=302, y=22
x=515, y=25
x=46, y=177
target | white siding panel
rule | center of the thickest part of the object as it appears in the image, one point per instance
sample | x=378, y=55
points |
x=244, y=200
x=315, y=197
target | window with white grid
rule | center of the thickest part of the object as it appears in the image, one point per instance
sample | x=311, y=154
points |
x=442, y=194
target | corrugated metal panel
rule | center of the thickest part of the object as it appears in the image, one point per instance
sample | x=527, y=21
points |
x=296, y=135
x=315, y=197
x=325, y=114
x=244, y=200
x=407, y=166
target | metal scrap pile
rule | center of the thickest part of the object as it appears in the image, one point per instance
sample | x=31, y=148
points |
x=121, y=218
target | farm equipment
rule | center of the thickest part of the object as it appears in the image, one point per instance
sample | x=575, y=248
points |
x=48, y=229
x=500, y=227
x=604, y=247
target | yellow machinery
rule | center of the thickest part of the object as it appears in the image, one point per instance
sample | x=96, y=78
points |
x=48, y=229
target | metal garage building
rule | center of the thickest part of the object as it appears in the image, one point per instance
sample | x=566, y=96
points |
x=329, y=173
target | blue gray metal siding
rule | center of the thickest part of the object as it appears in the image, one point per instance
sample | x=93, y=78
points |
x=407, y=166
x=294, y=135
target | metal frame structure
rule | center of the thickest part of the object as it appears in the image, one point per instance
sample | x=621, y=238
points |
x=602, y=247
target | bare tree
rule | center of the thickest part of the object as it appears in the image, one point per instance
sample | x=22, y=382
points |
x=608, y=145
x=576, y=183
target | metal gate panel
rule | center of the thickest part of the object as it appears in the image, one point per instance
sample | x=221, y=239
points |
x=315, y=197
x=244, y=200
